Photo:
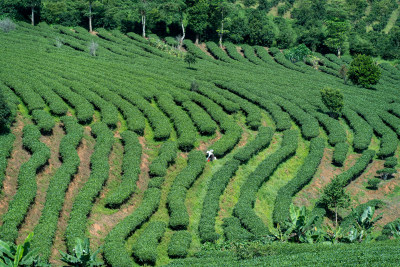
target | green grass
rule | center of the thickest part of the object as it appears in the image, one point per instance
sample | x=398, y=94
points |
x=392, y=20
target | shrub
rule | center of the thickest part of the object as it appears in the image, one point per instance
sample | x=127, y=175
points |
x=333, y=100
x=145, y=247
x=373, y=183
x=364, y=71
x=179, y=244
x=7, y=25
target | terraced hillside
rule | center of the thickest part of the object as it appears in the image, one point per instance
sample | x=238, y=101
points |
x=113, y=146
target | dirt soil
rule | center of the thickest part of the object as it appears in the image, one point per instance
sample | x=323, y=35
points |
x=203, y=47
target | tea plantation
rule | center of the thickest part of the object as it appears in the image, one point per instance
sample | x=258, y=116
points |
x=112, y=146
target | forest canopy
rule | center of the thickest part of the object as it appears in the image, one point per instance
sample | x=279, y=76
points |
x=337, y=26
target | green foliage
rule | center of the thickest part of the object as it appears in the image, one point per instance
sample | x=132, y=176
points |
x=335, y=197
x=298, y=53
x=145, y=247
x=190, y=58
x=179, y=244
x=390, y=162
x=83, y=202
x=363, y=71
x=373, y=183
x=27, y=187
x=6, y=145
x=244, y=207
x=5, y=114
x=19, y=255
x=82, y=255
x=340, y=153
x=46, y=228
x=304, y=175
x=386, y=173
x=333, y=100
x=166, y=156
x=7, y=25
x=43, y=120
x=363, y=226
x=114, y=249
x=337, y=35
x=130, y=169
x=179, y=217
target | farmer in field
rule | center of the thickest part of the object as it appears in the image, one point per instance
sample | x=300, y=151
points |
x=210, y=155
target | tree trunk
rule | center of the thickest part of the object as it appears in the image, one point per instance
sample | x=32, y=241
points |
x=197, y=38
x=90, y=17
x=336, y=208
x=221, y=33
x=338, y=52
x=33, y=15
x=144, y=25
x=183, y=35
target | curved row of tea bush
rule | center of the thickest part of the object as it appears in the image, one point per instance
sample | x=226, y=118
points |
x=179, y=217
x=362, y=130
x=130, y=170
x=303, y=177
x=166, y=155
x=46, y=228
x=205, y=125
x=179, y=244
x=98, y=176
x=229, y=106
x=6, y=146
x=44, y=121
x=244, y=207
x=231, y=50
x=145, y=247
x=27, y=186
x=217, y=52
x=114, y=245
x=183, y=124
x=250, y=55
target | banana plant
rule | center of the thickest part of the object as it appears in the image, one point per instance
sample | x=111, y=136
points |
x=12, y=255
x=82, y=255
x=363, y=226
x=300, y=227
x=395, y=229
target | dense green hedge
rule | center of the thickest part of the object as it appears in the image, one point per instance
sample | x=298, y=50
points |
x=250, y=54
x=303, y=177
x=219, y=181
x=145, y=247
x=340, y=153
x=46, y=228
x=183, y=124
x=233, y=53
x=27, y=187
x=233, y=230
x=115, y=253
x=6, y=146
x=44, y=120
x=179, y=244
x=244, y=207
x=179, y=217
x=83, y=202
x=358, y=211
x=130, y=170
x=203, y=121
x=166, y=156
x=362, y=131
x=281, y=59
x=217, y=52
x=228, y=105
x=261, y=141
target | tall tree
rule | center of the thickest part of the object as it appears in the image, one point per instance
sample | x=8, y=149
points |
x=177, y=11
x=337, y=34
x=334, y=196
x=198, y=17
x=32, y=5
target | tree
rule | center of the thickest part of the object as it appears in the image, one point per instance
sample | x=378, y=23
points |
x=337, y=35
x=364, y=71
x=176, y=11
x=198, y=17
x=32, y=4
x=386, y=173
x=334, y=196
x=82, y=256
x=364, y=225
x=190, y=58
x=5, y=114
x=333, y=100
x=21, y=255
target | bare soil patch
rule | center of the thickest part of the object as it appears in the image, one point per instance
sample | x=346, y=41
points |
x=239, y=50
x=204, y=145
x=203, y=47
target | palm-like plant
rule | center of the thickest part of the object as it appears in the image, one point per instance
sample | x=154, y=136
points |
x=82, y=255
x=363, y=226
x=19, y=255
